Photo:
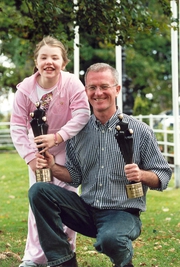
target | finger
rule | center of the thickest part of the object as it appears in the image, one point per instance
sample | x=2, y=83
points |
x=47, y=154
x=44, y=150
x=39, y=155
x=38, y=165
x=39, y=136
x=40, y=162
x=40, y=145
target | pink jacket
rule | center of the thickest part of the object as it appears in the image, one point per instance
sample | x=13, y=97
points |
x=68, y=113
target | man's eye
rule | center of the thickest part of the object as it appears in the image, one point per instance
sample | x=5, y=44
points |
x=92, y=88
x=104, y=87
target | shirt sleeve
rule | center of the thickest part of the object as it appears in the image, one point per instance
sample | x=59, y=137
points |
x=19, y=128
x=153, y=160
x=80, y=109
x=72, y=164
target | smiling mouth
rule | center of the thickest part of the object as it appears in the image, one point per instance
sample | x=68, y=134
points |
x=49, y=69
x=99, y=99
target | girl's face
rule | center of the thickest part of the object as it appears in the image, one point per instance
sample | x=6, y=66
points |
x=49, y=62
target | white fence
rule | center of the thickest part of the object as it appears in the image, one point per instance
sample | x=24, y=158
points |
x=5, y=137
x=169, y=140
x=162, y=125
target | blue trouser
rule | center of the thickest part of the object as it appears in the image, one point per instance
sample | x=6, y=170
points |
x=54, y=206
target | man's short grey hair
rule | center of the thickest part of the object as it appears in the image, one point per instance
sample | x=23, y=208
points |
x=97, y=67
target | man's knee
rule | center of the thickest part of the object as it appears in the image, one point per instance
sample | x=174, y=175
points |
x=119, y=248
x=113, y=244
x=35, y=190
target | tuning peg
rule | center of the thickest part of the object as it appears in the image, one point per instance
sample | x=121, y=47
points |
x=120, y=116
x=118, y=127
x=44, y=118
x=38, y=104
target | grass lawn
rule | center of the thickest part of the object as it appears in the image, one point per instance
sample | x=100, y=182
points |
x=158, y=245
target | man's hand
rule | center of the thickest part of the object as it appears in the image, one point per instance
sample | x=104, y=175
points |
x=149, y=178
x=58, y=171
x=133, y=173
x=46, y=161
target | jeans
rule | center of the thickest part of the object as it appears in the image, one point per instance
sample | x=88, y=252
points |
x=54, y=206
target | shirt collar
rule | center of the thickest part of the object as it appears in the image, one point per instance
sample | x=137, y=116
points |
x=110, y=123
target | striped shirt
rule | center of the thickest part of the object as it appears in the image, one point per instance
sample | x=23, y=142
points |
x=94, y=160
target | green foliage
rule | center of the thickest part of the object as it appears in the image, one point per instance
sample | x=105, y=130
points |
x=143, y=27
x=117, y=21
x=23, y=24
x=105, y=19
x=140, y=106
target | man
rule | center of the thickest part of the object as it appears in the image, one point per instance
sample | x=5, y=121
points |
x=94, y=161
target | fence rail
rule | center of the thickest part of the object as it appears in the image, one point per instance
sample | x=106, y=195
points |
x=162, y=126
x=5, y=137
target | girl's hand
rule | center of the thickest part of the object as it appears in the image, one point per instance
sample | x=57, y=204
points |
x=46, y=141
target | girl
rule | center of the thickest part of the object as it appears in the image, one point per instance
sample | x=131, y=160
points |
x=62, y=96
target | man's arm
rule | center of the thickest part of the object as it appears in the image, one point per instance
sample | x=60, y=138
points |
x=58, y=171
x=61, y=173
x=149, y=178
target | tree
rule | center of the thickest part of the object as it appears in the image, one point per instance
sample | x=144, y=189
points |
x=101, y=24
x=151, y=56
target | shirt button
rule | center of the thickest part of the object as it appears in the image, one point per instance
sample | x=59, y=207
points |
x=100, y=185
x=102, y=148
x=102, y=167
x=102, y=131
x=97, y=201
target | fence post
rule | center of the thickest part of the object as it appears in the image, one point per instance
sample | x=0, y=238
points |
x=151, y=121
x=175, y=93
x=165, y=139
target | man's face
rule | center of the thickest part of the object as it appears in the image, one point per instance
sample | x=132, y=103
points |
x=102, y=91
